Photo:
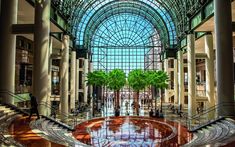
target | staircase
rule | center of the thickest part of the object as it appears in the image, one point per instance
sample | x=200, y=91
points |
x=219, y=133
x=46, y=127
x=69, y=126
x=213, y=132
x=7, y=115
x=55, y=133
x=53, y=129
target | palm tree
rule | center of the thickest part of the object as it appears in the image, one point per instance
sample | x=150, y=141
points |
x=116, y=81
x=98, y=79
x=161, y=82
x=150, y=81
x=137, y=81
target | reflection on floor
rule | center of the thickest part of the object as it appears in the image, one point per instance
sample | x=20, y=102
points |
x=133, y=130
x=22, y=133
x=125, y=108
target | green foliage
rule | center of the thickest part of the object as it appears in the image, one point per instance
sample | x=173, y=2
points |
x=161, y=79
x=97, y=78
x=158, y=79
x=150, y=77
x=137, y=79
x=116, y=79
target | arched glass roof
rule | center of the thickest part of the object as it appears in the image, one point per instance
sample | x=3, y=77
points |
x=123, y=30
x=176, y=10
x=151, y=10
x=126, y=41
x=119, y=8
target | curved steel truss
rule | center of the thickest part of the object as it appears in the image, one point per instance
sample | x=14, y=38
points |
x=152, y=11
x=165, y=27
x=74, y=10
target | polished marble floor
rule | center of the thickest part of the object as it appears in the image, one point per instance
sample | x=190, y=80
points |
x=22, y=133
x=131, y=131
x=108, y=131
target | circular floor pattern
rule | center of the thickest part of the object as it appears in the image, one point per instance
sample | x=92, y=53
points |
x=128, y=131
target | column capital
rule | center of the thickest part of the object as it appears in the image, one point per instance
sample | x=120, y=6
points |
x=66, y=37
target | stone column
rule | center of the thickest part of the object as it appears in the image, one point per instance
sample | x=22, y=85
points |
x=176, y=88
x=49, y=76
x=64, y=76
x=8, y=48
x=77, y=82
x=181, y=78
x=191, y=75
x=85, y=87
x=166, y=90
x=91, y=90
x=91, y=87
x=41, y=53
x=224, y=57
x=73, y=80
x=210, y=88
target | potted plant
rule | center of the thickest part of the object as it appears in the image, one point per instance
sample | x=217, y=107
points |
x=137, y=81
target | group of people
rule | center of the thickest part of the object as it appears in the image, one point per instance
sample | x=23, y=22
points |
x=158, y=113
x=177, y=110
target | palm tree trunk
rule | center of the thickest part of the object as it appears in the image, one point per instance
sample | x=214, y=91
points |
x=156, y=104
x=137, y=102
x=118, y=98
x=161, y=100
x=152, y=88
x=115, y=99
x=102, y=101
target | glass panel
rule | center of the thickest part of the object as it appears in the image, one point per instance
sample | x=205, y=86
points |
x=126, y=41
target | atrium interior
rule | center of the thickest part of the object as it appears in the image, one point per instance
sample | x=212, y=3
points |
x=117, y=73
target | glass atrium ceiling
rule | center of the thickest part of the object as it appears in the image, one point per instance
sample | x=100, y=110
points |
x=77, y=10
x=127, y=34
x=102, y=9
x=125, y=41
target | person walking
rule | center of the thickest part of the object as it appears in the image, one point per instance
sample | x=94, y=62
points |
x=34, y=106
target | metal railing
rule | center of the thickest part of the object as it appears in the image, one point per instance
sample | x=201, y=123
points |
x=61, y=115
x=206, y=117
